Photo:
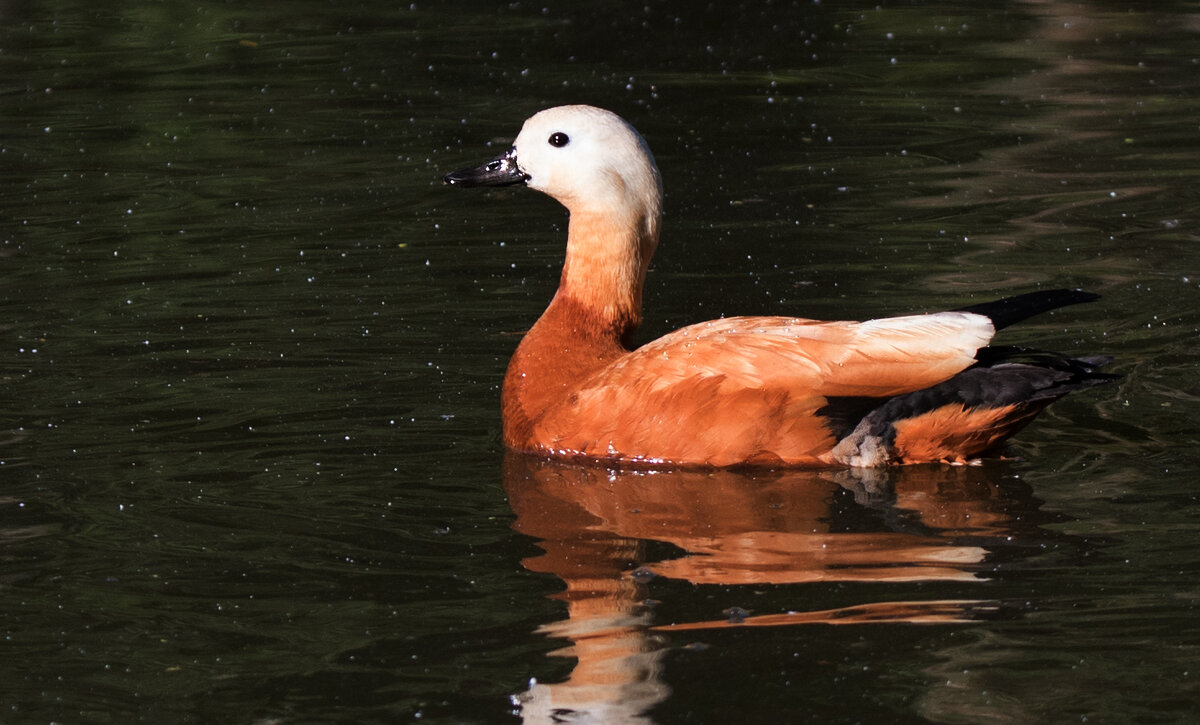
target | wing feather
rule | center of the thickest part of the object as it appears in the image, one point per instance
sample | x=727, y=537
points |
x=741, y=388
x=881, y=357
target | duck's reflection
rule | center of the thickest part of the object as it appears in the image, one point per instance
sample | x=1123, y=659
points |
x=595, y=525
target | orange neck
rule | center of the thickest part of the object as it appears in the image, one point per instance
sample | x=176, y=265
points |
x=597, y=308
x=605, y=268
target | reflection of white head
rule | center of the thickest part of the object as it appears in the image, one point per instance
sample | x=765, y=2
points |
x=598, y=704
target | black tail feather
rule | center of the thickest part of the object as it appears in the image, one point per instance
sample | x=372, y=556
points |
x=1012, y=310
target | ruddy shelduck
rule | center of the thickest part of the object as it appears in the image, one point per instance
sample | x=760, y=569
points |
x=766, y=391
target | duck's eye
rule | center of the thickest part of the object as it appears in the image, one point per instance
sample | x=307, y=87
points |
x=558, y=139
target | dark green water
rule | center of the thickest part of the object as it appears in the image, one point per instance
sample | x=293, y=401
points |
x=252, y=347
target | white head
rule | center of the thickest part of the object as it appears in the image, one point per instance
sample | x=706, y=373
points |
x=601, y=169
x=589, y=159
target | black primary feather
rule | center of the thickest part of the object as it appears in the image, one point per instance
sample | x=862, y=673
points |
x=1012, y=310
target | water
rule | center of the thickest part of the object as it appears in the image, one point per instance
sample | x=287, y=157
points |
x=252, y=354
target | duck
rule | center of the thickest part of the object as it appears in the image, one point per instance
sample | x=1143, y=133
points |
x=758, y=391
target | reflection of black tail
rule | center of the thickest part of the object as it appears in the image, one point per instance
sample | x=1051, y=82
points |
x=1012, y=310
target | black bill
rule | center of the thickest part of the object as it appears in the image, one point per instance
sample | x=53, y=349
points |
x=500, y=171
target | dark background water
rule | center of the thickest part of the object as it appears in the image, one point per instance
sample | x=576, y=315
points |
x=252, y=348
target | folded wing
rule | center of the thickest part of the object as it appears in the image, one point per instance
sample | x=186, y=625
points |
x=748, y=389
